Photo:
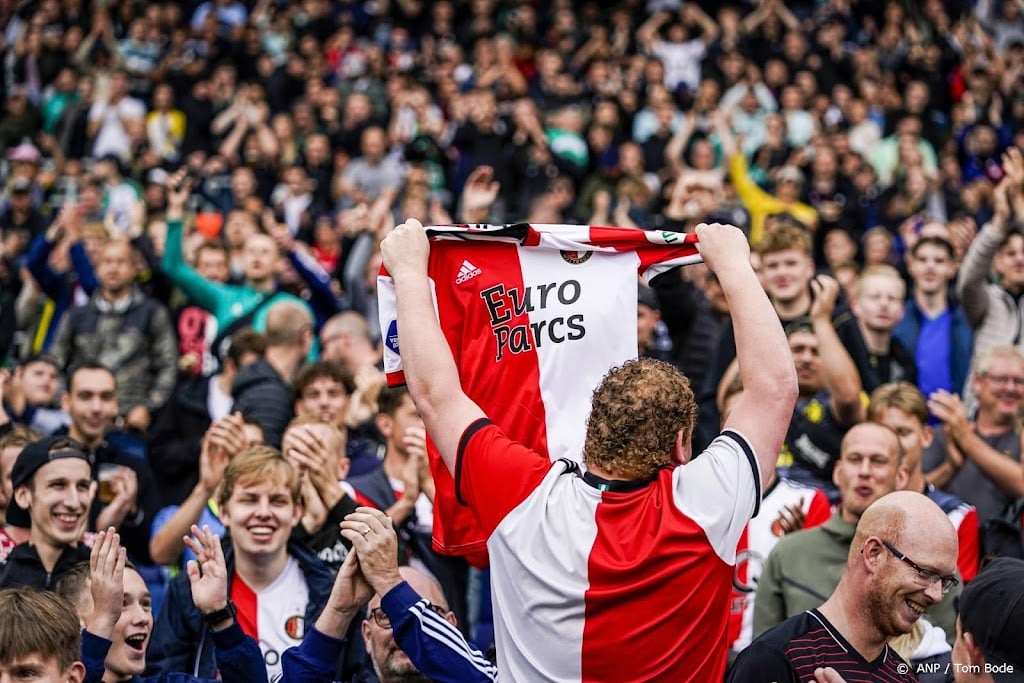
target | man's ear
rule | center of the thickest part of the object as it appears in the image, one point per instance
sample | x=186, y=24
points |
x=366, y=632
x=23, y=496
x=384, y=424
x=65, y=402
x=902, y=477
x=344, y=466
x=974, y=652
x=76, y=673
x=682, y=449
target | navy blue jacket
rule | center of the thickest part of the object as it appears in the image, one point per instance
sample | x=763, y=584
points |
x=961, y=346
x=433, y=645
x=238, y=658
x=182, y=642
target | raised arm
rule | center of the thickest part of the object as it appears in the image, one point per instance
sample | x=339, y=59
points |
x=430, y=369
x=841, y=377
x=972, y=281
x=763, y=411
x=203, y=292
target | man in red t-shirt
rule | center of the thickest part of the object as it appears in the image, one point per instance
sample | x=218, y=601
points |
x=647, y=529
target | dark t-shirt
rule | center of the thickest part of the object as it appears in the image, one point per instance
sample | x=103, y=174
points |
x=791, y=652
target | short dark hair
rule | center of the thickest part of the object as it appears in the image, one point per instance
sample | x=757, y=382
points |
x=322, y=369
x=211, y=245
x=39, y=623
x=391, y=399
x=935, y=241
x=47, y=358
x=73, y=582
x=243, y=342
x=88, y=365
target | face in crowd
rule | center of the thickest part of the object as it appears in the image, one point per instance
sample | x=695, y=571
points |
x=869, y=467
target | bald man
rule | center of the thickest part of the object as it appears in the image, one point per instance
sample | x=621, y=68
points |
x=804, y=568
x=262, y=390
x=901, y=562
x=409, y=631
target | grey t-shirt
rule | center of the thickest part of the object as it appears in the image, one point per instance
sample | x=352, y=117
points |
x=971, y=483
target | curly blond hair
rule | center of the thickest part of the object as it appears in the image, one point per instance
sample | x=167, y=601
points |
x=636, y=413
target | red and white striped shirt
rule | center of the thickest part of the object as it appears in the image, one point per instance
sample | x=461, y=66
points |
x=591, y=585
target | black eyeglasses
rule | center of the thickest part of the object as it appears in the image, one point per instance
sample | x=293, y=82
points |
x=382, y=620
x=926, y=577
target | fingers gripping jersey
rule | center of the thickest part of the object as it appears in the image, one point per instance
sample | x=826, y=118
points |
x=535, y=316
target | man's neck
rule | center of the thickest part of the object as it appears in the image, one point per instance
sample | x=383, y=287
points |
x=394, y=462
x=989, y=423
x=848, y=616
x=48, y=552
x=90, y=443
x=878, y=342
x=116, y=296
x=932, y=304
x=259, y=572
x=794, y=308
x=846, y=515
x=283, y=360
x=224, y=381
x=265, y=284
x=916, y=481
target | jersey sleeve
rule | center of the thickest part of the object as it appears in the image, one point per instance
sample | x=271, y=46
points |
x=494, y=474
x=720, y=490
x=434, y=645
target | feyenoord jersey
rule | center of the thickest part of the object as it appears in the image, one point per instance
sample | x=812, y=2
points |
x=759, y=537
x=535, y=316
x=276, y=616
x=591, y=585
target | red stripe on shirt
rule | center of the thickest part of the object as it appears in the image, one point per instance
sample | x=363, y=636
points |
x=248, y=607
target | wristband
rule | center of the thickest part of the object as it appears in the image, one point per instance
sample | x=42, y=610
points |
x=224, y=613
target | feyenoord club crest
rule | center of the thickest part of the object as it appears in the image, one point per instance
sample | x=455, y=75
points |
x=576, y=257
x=295, y=627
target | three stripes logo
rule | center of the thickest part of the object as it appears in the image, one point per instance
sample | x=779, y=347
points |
x=467, y=271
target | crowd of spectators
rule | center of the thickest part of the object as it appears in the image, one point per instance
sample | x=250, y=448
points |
x=194, y=196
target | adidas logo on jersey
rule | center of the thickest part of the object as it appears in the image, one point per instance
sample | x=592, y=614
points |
x=467, y=271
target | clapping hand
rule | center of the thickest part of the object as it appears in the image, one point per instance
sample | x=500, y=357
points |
x=208, y=573
x=106, y=582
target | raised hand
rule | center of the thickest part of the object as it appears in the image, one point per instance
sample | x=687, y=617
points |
x=210, y=583
x=406, y=249
x=106, y=582
x=481, y=190
x=951, y=410
x=824, y=294
x=374, y=540
x=722, y=246
x=351, y=591
x=179, y=189
x=791, y=518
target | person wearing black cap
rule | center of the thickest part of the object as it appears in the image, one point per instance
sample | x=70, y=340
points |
x=53, y=490
x=990, y=629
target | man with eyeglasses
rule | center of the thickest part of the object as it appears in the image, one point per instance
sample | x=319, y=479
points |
x=805, y=567
x=901, y=562
x=979, y=460
x=410, y=634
